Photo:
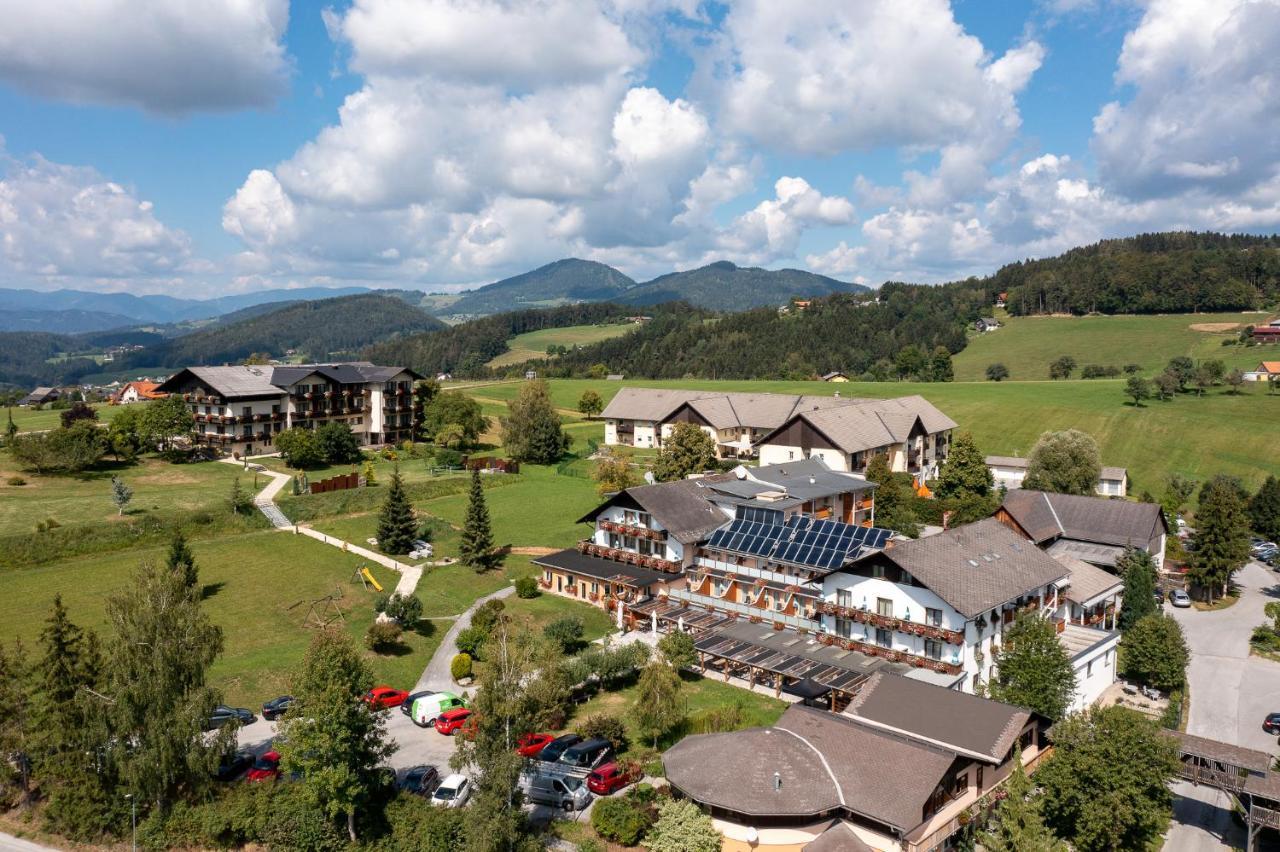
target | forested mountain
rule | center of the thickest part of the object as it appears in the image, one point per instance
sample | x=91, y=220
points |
x=464, y=349
x=317, y=330
x=25, y=359
x=70, y=321
x=566, y=281
x=723, y=286
x=1149, y=273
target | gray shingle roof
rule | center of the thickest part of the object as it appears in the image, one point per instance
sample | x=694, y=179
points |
x=946, y=717
x=683, y=508
x=976, y=567
x=254, y=381
x=838, y=838
x=1099, y=520
x=1087, y=581
x=867, y=424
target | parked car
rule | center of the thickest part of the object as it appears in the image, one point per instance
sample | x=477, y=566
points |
x=265, y=768
x=420, y=780
x=560, y=791
x=586, y=755
x=1271, y=724
x=224, y=715
x=233, y=765
x=384, y=697
x=530, y=744
x=1179, y=598
x=406, y=706
x=451, y=720
x=276, y=707
x=551, y=751
x=607, y=779
x=1264, y=554
x=428, y=708
x=452, y=792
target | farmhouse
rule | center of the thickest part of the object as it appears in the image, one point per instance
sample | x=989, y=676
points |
x=1092, y=529
x=41, y=396
x=1269, y=333
x=241, y=409
x=896, y=771
x=985, y=324
x=136, y=392
x=1267, y=371
x=1009, y=471
x=835, y=376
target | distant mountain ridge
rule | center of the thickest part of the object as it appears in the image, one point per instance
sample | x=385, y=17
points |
x=567, y=281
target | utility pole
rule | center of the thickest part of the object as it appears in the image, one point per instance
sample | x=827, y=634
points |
x=133, y=808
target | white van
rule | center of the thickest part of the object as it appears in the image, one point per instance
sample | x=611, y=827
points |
x=428, y=707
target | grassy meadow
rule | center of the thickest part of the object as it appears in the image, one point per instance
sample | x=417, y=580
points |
x=31, y=420
x=1026, y=345
x=533, y=344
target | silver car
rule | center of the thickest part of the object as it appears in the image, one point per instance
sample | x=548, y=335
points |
x=453, y=792
x=1180, y=598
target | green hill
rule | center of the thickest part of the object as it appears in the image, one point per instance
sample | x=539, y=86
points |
x=723, y=286
x=1026, y=345
x=564, y=282
x=534, y=344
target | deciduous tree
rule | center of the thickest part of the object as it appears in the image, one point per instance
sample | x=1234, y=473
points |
x=892, y=498
x=455, y=408
x=1062, y=367
x=677, y=649
x=77, y=411
x=658, y=708
x=997, y=372
x=687, y=450
x=614, y=472
x=1154, y=652
x=682, y=827
x=1033, y=670
x=1138, y=389
x=337, y=443
x=121, y=494
x=1065, y=463
x=397, y=523
x=167, y=419
x=531, y=430
x=590, y=404
x=965, y=472
x=476, y=548
x=299, y=447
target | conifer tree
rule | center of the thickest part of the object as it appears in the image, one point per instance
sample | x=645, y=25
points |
x=14, y=719
x=1264, y=509
x=182, y=561
x=1017, y=824
x=531, y=430
x=476, y=547
x=1222, y=535
x=1139, y=573
x=397, y=524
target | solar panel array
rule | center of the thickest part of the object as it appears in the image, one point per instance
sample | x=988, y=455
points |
x=754, y=513
x=800, y=540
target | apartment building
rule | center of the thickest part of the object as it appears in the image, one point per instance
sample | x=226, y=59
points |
x=241, y=409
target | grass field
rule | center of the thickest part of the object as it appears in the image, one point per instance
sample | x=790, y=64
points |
x=1196, y=437
x=86, y=497
x=533, y=344
x=30, y=420
x=1026, y=345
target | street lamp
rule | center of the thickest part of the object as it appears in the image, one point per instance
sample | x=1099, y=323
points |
x=133, y=808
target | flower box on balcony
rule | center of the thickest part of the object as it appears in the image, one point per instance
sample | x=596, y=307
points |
x=754, y=619
x=778, y=625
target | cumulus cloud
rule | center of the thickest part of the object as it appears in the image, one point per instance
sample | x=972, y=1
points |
x=162, y=57
x=773, y=227
x=61, y=223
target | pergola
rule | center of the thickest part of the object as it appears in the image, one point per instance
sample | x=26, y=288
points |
x=797, y=670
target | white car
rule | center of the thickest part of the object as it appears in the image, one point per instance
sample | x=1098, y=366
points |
x=453, y=792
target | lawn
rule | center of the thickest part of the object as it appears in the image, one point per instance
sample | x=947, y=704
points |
x=31, y=420
x=1192, y=436
x=533, y=344
x=259, y=588
x=1026, y=345
x=546, y=608
x=157, y=486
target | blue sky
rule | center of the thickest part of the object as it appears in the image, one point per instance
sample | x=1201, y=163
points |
x=438, y=144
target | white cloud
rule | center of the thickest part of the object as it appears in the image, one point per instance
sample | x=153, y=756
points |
x=772, y=229
x=842, y=260
x=63, y=225
x=164, y=57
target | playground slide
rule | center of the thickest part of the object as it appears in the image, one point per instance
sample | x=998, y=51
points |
x=369, y=576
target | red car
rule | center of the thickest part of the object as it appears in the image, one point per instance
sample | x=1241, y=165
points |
x=384, y=697
x=265, y=768
x=530, y=744
x=451, y=720
x=609, y=778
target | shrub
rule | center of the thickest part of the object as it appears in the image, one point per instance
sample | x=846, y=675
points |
x=470, y=641
x=16, y=480
x=605, y=727
x=527, y=587
x=460, y=668
x=566, y=631
x=619, y=820
x=487, y=615
x=405, y=610
x=382, y=636
x=413, y=825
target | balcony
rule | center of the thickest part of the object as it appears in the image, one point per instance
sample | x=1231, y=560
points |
x=754, y=614
x=632, y=530
x=892, y=655
x=757, y=573
x=888, y=622
x=656, y=563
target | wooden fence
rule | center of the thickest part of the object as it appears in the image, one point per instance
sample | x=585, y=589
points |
x=336, y=483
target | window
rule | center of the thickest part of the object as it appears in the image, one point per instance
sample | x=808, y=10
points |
x=884, y=606
x=246, y=411
x=844, y=628
x=844, y=598
x=884, y=638
x=933, y=616
x=1088, y=669
x=275, y=409
x=877, y=571
x=933, y=649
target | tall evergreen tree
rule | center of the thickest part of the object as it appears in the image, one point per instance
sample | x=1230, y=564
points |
x=182, y=561
x=476, y=548
x=1017, y=824
x=160, y=656
x=397, y=524
x=965, y=472
x=1033, y=669
x=336, y=743
x=1139, y=573
x=1264, y=509
x=15, y=721
x=1222, y=535
x=531, y=430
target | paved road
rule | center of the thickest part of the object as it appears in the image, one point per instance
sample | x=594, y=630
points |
x=436, y=675
x=1231, y=692
x=9, y=843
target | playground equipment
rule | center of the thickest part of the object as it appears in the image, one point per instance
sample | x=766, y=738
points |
x=368, y=576
x=323, y=611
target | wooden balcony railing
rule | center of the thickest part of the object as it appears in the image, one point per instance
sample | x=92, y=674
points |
x=657, y=563
x=888, y=622
x=631, y=530
x=891, y=654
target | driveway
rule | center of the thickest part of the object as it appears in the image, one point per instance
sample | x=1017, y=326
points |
x=436, y=675
x=1231, y=692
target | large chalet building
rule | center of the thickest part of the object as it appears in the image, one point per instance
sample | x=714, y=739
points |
x=241, y=409
x=845, y=432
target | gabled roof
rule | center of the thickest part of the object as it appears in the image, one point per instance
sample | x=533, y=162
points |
x=1087, y=581
x=1269, y=367
x=838, y=838
x=250, y=380
x=683, y=508
x=976, y=567
x=722, y=410
x=1098, y=520
x=866, y=424
x=969, y=725
x=648, y=403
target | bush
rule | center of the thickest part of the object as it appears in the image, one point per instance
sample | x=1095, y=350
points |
x=527, y=587
x=619, y=820
x=566, y=632
x=445, y=457
x=460, y=668
x=605, y=727
x=16, y=480
x=487, y=615
x=470, y=641
x=405, y=610
x=413, y=825
x=382, y=636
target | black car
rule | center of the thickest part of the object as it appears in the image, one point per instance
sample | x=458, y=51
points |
x=551, y=751
x=234, y=764
x=407, y=706
x=223, y=715
x=1271, y=724
x=420, y=780
x=276, y=707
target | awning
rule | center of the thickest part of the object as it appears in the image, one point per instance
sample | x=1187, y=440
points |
x=806, y=688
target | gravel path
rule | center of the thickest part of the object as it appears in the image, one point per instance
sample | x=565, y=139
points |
x=436, y=676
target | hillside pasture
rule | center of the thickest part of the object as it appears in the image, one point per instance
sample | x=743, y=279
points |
x=1026, y=345
x=534, y=344
x=33, y=420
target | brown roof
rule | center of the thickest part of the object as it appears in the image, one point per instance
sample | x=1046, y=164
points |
x=838, y=838
x=867, y=424
x=1087, y=581
x=1100, y=520
x=964, y=723
x=824, y=763
x=682, y=507
x=977, y=566
x=1246, y=758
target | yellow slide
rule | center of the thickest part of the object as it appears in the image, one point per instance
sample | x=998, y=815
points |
x=368, y=576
